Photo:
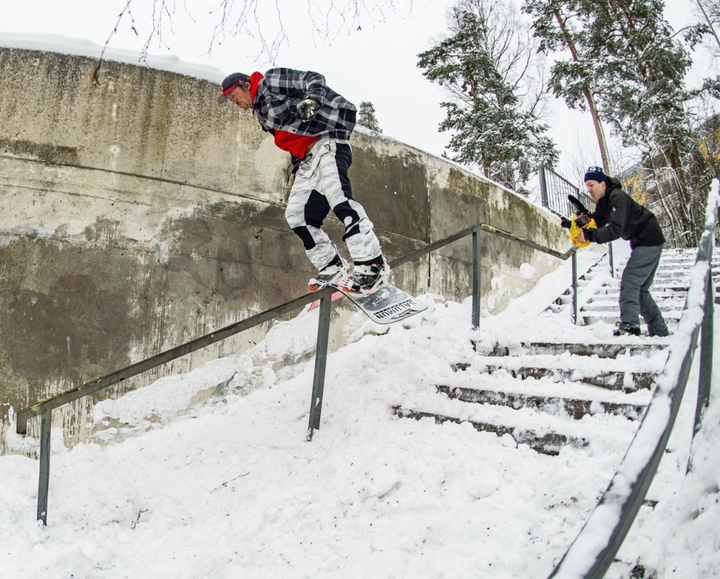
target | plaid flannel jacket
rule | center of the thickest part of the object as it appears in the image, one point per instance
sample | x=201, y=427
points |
x=281, y=89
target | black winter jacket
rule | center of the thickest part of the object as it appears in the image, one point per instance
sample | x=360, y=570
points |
x=619, y=215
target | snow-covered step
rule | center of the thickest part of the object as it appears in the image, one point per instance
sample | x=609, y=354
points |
x=672, y=284
x=681, y=269
x=576, y=408
x=615, y=308
x=671, y=299
x=680, y=284
x=658, y=294
x=676, y=293
x=591, y=317
x=679, y=280
x=550, y=443
x=627, y=381
x=622, y=373
x=545, y=432
x=685, y=261
x=600, y=349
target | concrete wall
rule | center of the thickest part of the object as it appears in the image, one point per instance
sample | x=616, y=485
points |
x=137, y=215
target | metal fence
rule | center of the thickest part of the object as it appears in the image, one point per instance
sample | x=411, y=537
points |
x=554, y=191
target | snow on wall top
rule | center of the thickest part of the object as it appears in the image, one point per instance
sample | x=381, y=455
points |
x=80, y=47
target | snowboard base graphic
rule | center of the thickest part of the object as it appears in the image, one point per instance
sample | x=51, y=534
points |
x=387, y=305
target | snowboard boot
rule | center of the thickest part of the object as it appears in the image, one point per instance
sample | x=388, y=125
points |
x=367, y=278
x=330, y=274
x=626, y=329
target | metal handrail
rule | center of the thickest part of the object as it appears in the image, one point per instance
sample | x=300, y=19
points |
x=44, y=409
x=153, y=362
x=594, y=549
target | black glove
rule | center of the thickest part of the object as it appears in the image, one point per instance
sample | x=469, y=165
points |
x=565, y=223
x=307, y=108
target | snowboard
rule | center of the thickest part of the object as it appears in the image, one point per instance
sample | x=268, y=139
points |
x=387, y=305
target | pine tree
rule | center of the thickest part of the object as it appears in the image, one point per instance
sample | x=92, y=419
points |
x=629, y=57
x=366, y=117
x=491, y=127
x=556, y=25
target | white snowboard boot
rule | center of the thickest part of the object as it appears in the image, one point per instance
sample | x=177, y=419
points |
x=366, y=279
x=330, y=274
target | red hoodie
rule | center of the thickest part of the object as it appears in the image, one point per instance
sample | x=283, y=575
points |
x=296, y=145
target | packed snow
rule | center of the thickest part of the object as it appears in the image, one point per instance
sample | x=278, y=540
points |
x=185, y=479
x=81, y=47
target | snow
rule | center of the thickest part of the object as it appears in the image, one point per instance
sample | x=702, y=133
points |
x=657, y=422
x=209, y=475
x=80, y=47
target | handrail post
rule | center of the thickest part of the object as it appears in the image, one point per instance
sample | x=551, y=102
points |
x=575, y=288
x=44, y=479
x=320, y=364
x=543, y=187
x=476, y=280
x=706, y=351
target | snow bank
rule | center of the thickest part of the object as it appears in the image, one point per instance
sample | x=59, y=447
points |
x=231, y=489
x=79, y=47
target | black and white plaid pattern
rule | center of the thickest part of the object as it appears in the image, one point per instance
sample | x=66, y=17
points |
x=281, y=89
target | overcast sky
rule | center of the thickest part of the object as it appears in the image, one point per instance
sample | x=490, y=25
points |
x=377, y=62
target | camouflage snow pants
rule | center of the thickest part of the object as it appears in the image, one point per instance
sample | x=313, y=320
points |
x=635, y=298
x=322, y=184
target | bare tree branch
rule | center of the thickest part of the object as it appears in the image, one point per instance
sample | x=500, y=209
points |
x=232, y=18
x=125, y=10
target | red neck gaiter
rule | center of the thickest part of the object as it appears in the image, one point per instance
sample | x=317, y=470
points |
x=255, y=79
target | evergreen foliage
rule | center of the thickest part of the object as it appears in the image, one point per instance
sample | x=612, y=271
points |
x=367, y=118
x=483, y=65
x=626, y=55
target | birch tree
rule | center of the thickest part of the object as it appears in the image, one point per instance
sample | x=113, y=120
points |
x=267, y=22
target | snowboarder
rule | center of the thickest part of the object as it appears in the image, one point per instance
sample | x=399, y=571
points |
x=314, y=123
x=619, y=215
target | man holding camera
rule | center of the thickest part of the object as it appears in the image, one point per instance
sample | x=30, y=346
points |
x=618, y=215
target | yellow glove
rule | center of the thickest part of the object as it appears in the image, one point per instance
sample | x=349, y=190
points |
x=575, y=231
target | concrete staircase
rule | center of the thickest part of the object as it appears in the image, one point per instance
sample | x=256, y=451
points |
x=549, y=395
x=669, y=289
